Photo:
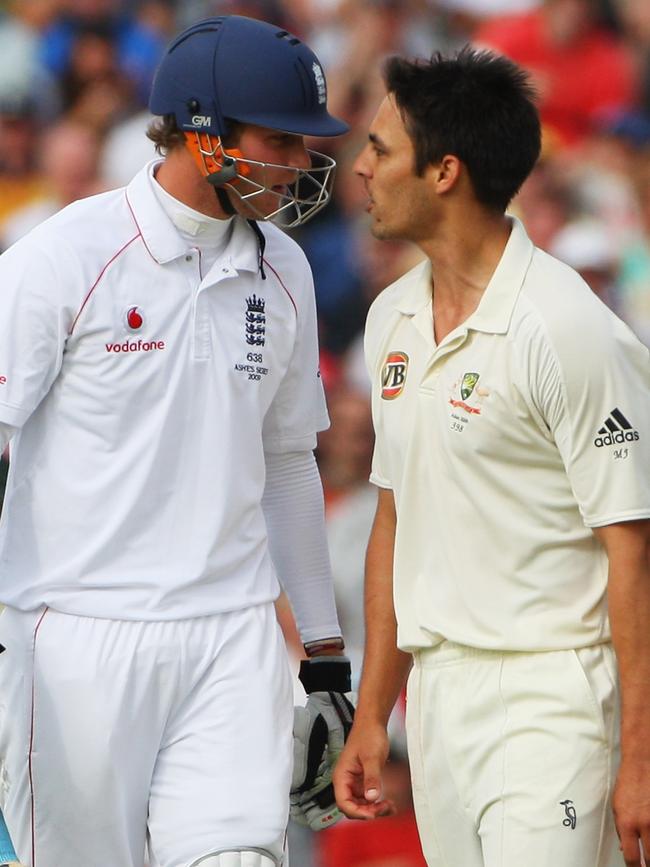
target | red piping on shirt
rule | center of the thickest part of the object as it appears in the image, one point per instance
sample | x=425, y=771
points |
x=101, y=274
x=135, y=220
x=268, y=264
x=31, y=742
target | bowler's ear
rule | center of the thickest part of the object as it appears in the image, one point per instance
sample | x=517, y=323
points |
x=446, y=173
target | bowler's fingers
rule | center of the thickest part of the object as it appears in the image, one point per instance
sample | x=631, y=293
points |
x=358, y=794
x=359, y=808
x=633, y=845
x=371, y=779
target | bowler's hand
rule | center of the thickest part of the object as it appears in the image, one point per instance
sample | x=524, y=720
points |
x=632, y=810
x=357, y=775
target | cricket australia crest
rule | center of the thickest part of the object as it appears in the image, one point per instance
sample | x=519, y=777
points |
x=467, y=385
x=462, y=410
x=255, y=321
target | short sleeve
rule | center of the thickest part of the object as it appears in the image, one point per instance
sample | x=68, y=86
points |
x=33, y=330
x=593, y=391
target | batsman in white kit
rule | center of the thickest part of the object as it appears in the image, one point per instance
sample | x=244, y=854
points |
x=159, y=385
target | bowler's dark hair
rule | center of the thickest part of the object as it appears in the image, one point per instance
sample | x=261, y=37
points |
x=476, y=105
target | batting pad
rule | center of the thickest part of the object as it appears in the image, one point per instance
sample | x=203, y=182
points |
x=239, y=858
x=7, y=852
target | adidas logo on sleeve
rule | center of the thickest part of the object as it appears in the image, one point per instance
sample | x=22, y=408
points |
x=615, y=430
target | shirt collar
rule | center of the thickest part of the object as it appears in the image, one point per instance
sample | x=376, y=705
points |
x=415, y=289
x=160, y=236
x=495, y=308
x=497, y=302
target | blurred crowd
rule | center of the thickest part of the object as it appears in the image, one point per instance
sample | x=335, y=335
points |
x=74, y=80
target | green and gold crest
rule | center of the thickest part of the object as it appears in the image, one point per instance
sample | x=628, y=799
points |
x=467, y=385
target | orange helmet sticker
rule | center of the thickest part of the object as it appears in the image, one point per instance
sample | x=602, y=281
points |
x=207, y=151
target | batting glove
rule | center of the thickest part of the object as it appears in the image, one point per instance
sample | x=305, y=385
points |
x=320, y=730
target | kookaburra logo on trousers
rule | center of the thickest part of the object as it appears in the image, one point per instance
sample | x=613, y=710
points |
x=571, y=819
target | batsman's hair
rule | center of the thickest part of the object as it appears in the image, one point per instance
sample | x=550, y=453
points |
x=165, y=133
x=475, y=105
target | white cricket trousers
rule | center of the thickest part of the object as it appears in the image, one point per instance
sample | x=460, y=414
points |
x=513, y=756
x=112, y=731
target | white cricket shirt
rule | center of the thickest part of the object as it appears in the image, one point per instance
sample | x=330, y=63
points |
x=528, y=425
x=146, y=392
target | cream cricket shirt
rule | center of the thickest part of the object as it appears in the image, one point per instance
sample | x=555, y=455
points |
x=528, y=425
x=146, y=392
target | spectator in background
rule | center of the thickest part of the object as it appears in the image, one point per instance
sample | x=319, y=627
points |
x=21, y=69
x=544, y=203
x=634, y=274
x=137, y=46
x=464, y=17
x=587, y=247
x=20, y=180
x=579, y=69
x=601, y=174
x=94, y=88
x=634, y=19
x=156, y=16
x=268, y=10
x=68, y=157
x=360, y=33
x=345, y=449
x=126, y=149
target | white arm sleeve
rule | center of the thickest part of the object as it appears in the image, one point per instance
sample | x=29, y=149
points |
x=6, y=433
x=295, y=520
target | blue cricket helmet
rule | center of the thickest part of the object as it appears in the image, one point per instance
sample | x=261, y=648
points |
x=234, y=68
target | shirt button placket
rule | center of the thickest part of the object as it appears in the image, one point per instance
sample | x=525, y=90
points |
x=202, y=341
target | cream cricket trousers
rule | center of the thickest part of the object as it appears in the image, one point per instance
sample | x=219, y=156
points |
x=112, y=732
x=513, y=756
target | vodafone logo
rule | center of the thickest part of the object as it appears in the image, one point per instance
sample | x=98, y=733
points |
x=3, y=380
x=135, y=346
x=134, y=319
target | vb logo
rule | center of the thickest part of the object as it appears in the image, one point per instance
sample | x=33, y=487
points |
x=393, y=375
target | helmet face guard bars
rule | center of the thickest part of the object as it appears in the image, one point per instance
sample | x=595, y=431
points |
x=229, y=169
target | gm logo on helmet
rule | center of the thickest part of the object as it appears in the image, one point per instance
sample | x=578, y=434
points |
x=201, y=120
x=393, y=375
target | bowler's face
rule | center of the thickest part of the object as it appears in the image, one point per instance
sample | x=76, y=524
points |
x=399, y=201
